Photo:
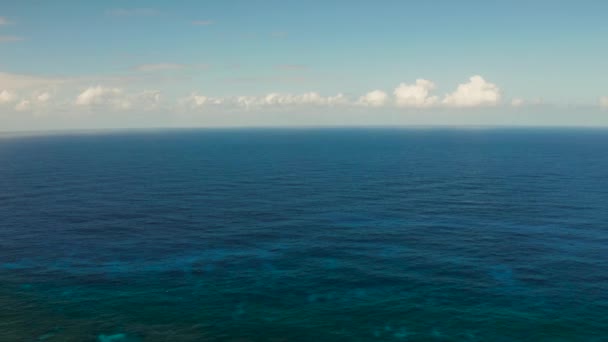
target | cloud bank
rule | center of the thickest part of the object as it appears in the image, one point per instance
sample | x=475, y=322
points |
x=23, y=93
x=118, y=99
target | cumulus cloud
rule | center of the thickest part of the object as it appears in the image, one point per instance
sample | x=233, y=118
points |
x=99, y=96
x=311, y=98
x=415, y=95
x=116, y=98
x=477, y=92
x=7, y=97
x=196, y=100
x=38, y=94
x=23, y=105
x=44, y=97
x=376, y=98
x=37, y=101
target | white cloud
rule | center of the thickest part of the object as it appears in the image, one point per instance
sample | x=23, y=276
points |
x=196, y=101
x=23, y=105
x=338, y=99
x=36, y=102
x=376, y=98
x=9, y=39
x=517, y=102
x=116, y=98
x=477, y=92
x=7, y=97
x=415, y=95
x=202, y=22
x=98, y=96
x=310, y=99
x=604, y=102
x=44, y=97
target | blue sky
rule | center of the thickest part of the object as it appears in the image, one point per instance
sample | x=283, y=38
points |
x=94, y=64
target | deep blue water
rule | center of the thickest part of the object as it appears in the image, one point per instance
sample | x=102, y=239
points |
x=305, y=235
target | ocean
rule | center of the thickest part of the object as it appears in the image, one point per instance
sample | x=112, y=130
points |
x=429, y=234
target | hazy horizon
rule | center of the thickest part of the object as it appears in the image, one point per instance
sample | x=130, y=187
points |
x=117, y=64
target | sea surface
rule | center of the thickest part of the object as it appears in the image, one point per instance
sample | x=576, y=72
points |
x=305, y=235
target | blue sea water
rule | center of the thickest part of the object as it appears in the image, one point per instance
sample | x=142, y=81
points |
x=305, y=235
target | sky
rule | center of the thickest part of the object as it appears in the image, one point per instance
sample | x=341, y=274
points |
x=139, y=64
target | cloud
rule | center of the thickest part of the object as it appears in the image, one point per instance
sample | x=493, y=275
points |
x=101, y=96
x=310, y=98
x=10, y=39
x=44, y=97
x=35, y=102
x=415, y=95
x=604, y=102
x=133, y=12
x=4, y=21
x=145, y=100
x=7, y=97
x=477, y=92
x=196, y=100
x=23, y=105
x=517, y=102
x=376, y=98
x=118, y=99
x=203, y=22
